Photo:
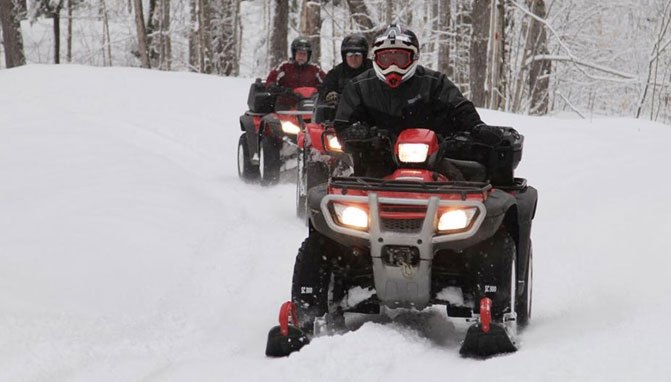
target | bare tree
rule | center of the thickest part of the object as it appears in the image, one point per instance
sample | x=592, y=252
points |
x=443, y=15
x=311, y=25
x=361, y=17
x=11, y=33
x=225, y=38
x=539, y=72
x=141, y=34
x=494, y=86
x=480, y=17
x=278, y=33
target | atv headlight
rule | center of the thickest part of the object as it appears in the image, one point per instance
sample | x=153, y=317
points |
x=352, y=216
x=413, y=152
x=332, y=143
x=290, y=128
x=456, y=219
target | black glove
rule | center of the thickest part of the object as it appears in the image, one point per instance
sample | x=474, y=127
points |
x=332, y=98
x=489, y=135
x=357, y=131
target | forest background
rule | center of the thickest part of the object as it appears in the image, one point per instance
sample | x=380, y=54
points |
x=523, y=56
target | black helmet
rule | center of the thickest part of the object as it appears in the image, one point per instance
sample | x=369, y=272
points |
x=301, y=43
x=395, y=55
x=354, y=43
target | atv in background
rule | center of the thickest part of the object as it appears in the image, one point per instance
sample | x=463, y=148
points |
x=320, y=155
x=417, y=238
x=268, y=144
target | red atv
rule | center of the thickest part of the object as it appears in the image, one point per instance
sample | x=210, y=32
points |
x=268, y=144
x=450, y=226
x=320, y=155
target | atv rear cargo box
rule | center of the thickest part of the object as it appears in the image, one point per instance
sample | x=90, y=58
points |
x=260, y=100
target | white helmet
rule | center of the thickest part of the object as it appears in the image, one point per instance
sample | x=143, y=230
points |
x=395, y=55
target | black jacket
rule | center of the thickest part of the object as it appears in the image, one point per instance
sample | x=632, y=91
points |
x=426, y=100
x=340, y=75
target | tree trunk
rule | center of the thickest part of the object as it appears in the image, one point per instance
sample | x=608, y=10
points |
x=150, y=31
x=11, y=33
x=359, y=13
x=539, y=71
x=205, y=42
x=107, y=42
x=480, y=16
x=68, y=38
x=443, y=19
x=390, y=12
x=141, y=34
x=495, y=86
x=225, y=37
x=193, y=36
x=311, y=25
x=56, y=14
x=278, y=33
x=164, y=45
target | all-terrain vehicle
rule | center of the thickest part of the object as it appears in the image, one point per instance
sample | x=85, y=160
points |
x=268, y=144
x=320, y=155
x=416, y=238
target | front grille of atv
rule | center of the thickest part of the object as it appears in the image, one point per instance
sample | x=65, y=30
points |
x=402, y=225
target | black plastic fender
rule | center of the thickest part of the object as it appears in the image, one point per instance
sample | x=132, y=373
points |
x=247, y=125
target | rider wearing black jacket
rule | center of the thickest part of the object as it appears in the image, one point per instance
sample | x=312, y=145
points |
x=397, y=94
x=354, y=52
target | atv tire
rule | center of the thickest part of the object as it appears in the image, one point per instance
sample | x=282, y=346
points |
x=313, y=279
x=269, y=162
x=246, y=170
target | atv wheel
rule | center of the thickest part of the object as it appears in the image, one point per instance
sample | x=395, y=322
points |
x=310, y=174
x=525, y=300
x=246, y=170
x=269, y=162
x=313, y=279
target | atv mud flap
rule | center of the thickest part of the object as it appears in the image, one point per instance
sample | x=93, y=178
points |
x=480, y=344
x=286, y=338
x=485, y=338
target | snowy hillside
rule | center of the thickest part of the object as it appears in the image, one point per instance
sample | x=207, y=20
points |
x=130, y=251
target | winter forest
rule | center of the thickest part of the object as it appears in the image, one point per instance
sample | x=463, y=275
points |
x=523, y=56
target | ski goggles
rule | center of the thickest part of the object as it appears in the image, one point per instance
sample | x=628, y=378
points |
x=354, y=54
x=402, y=58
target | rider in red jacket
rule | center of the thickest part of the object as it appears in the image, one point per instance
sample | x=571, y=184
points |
x=297, y=71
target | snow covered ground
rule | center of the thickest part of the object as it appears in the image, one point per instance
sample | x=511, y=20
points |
x=129, y=249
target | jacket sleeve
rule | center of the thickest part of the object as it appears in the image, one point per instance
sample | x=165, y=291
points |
x=272, y=77
x=460, y=111
x=350, y=107
x=330, y=83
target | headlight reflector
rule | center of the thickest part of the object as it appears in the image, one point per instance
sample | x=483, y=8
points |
x=456, y=219
x=352, y=216
x=413, y=152
x=290, y=128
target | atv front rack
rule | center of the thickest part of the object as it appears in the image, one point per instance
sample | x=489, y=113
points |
x=376, y=184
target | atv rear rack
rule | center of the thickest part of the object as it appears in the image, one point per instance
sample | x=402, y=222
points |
x=375, y=184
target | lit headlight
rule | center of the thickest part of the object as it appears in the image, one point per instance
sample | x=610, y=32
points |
x=456, y=219
x=354, y=217
x=290, y=128
x=413, y=152
x=332, y=143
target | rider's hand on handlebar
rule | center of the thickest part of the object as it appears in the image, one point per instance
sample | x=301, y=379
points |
x=356, y=132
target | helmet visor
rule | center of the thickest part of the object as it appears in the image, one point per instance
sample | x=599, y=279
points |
x=388, y=57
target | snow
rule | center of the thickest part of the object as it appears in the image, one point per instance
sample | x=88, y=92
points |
x=130, y=250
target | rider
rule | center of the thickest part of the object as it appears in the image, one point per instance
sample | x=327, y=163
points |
x=354, y=53
x=399, y=93
x=297, y=71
